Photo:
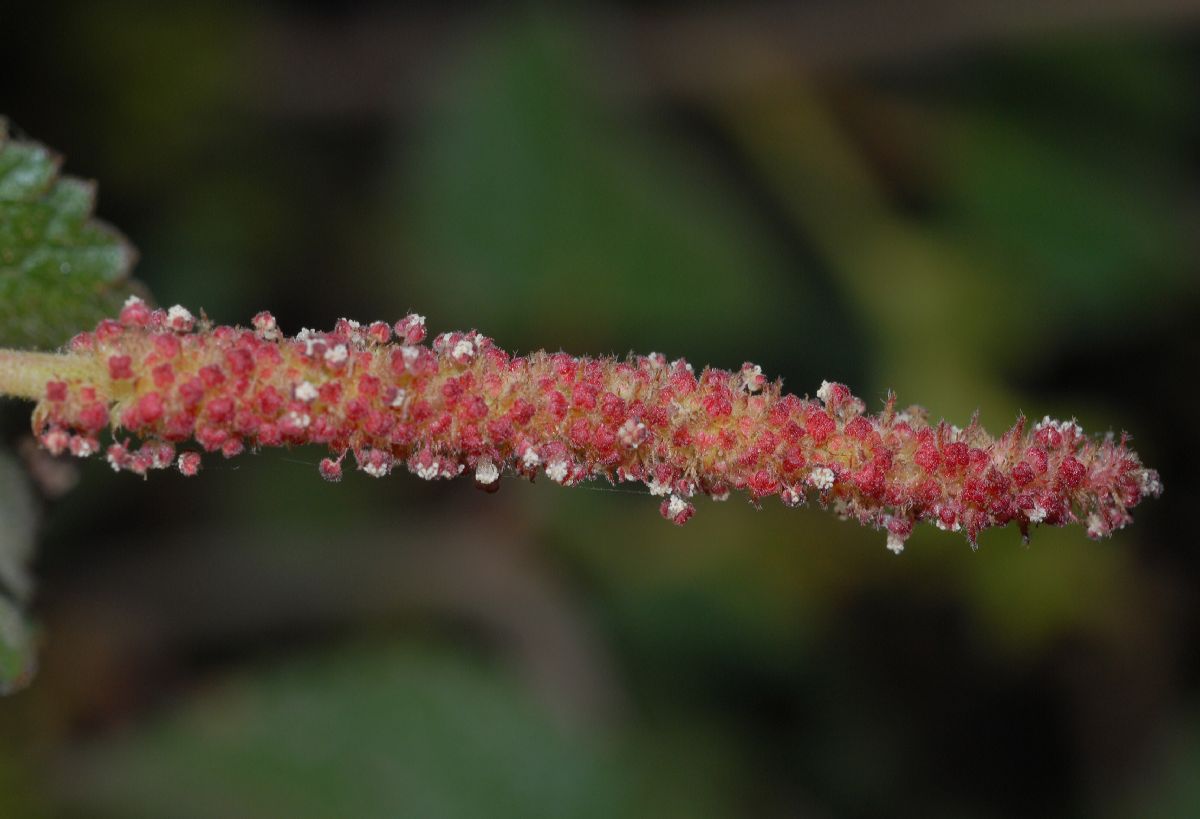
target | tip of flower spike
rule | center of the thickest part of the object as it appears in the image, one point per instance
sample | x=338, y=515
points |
x=1149, y=483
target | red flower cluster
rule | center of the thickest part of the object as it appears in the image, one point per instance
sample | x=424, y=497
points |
x=463, y=404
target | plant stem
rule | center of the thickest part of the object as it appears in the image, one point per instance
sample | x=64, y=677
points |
x=24, y=374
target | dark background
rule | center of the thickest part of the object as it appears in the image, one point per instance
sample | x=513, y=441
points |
x=985, y=206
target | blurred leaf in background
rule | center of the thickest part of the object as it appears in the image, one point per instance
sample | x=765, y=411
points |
x=548, y=213
x=368, y=731
x=18, y=516
x=1074, y=189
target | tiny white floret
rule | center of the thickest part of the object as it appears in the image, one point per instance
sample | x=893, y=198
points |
x=180, y=318
x=1149, y=483
x=266, y=327
x=752, y=378
x=306, y=392
x=825, y=392
x=486, y=472
x=557, y=471
x=337, y=354
x=531, y=459
x=1063, y=427
x=376, y=470
x=895, y=543
x=657, y=487
x=307, y=336
x=463, y=350
x=822, y=478
x=676, y=506
x=631, y=433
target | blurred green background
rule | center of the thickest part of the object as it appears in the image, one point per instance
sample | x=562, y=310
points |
x=985, y=206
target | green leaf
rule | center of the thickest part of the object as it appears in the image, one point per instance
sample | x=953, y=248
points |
x=373, y=731
x=60, y=269
x=17, y=522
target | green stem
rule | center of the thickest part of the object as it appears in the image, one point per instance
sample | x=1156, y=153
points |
x=24, y=374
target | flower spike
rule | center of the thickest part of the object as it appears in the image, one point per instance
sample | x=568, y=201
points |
x=461, y=405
